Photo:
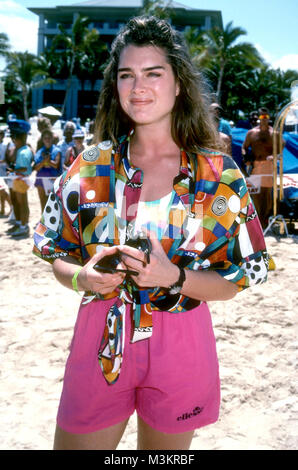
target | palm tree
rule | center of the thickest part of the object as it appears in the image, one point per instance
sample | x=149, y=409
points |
x=91, y=59
x=70, y=47
x=160, y=8
x=27, y=72
x=4, y=44
x=197, y=46
x=222, y=50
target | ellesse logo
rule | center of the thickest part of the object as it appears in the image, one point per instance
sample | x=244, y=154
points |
x=196, y=411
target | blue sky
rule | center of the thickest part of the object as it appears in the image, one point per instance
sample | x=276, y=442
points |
x=271, y=25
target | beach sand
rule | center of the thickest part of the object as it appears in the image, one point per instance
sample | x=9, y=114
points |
x=256, y=341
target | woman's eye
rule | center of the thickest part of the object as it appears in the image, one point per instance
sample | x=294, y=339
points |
x=124, y=75
x=154, y=74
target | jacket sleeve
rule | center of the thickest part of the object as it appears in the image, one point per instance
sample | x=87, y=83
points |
x=231, y=236
x=57, y=233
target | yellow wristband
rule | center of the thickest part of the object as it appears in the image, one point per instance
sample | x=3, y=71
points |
x=74, y=280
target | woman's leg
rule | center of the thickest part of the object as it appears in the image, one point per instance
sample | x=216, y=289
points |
x=150, y=439
x=105, y=439
x=2, y=200
x=22, y=199
x=42, y=197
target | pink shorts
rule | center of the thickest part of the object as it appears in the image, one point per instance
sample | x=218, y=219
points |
x=170, y=379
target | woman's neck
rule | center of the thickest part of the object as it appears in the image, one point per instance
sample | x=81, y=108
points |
x=153, y=140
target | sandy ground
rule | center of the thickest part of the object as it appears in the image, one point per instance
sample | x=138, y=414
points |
x=256, y=340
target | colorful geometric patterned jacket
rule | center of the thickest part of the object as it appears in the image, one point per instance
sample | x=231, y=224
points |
x=212, y=225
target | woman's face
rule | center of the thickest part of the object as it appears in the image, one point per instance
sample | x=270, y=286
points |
x=47, y=140
x=78, y=141
x=146, y=85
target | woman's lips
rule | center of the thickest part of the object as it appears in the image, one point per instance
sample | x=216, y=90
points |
x=140, y=102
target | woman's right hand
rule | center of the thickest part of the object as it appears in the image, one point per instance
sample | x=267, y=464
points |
x=90, y=279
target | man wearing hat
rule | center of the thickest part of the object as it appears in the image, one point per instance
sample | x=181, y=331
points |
x=23, y=167
x=258, y=145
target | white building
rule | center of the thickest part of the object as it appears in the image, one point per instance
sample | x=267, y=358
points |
x=108, y=17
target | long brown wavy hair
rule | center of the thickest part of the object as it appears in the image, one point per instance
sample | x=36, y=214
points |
x=192, y=125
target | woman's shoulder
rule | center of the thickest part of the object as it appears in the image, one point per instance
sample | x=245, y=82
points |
x=216, y=157
x=92, y=155
x=97, y=154
x=215, y=162
x=55, y=148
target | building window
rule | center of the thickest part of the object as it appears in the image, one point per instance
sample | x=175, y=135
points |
x=179, y=27
x=51, y=24
x=53, y=97
x=113, y=24
x=98, y=24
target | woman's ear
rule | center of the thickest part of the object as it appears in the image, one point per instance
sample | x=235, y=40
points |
x=177, y=88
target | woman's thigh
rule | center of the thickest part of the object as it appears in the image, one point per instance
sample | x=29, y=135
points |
x=105, y=439
x=151, y=439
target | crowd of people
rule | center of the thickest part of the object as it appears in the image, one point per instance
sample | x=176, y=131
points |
x=257, y=154
x=23, y=165
x=52, y=156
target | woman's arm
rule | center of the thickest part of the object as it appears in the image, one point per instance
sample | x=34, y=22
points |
x=200, y=285
x=88, y=278
x=38, y=166
x=55, y=163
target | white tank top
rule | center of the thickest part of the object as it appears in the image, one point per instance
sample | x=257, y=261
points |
x=154, y=215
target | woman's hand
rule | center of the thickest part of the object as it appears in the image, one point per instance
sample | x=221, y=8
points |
x=95, y=281
x=160, y=272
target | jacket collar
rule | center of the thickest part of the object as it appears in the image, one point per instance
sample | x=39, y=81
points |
x=183, y=183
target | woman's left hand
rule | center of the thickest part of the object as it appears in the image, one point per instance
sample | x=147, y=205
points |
x=160, y=272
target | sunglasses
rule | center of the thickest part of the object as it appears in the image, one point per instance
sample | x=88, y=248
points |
x=264, y=116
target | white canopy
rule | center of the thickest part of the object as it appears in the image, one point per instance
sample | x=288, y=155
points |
x=50, y=111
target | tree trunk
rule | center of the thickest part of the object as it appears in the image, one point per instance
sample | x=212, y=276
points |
x=219, y=82
x=68, y=85
x=25, y=105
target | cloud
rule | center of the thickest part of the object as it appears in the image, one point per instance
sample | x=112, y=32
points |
x=20, y=25
x=11, y=8
x=265, y=54
x=287, y=62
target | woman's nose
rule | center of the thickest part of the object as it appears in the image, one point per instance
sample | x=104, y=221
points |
x=138, y=84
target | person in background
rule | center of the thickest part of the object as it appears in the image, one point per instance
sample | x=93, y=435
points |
x=77, y=122
x=73, y=151
x=4, y=191
x=47, y=164
x=253, y=119
x=224, y=129
x=23, y=168
x=222, y=124
x=43, y=124
x=10, y=158
x=66, y=142
x=257, y=151
x=90, y=132
x=250, y=122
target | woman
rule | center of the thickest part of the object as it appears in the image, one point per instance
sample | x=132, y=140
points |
x=151, y=328
x=4, y=194
x=44, y=123
x=47, y=162
x=74, y=151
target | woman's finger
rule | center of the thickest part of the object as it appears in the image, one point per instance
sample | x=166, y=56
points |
x=133, y=253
